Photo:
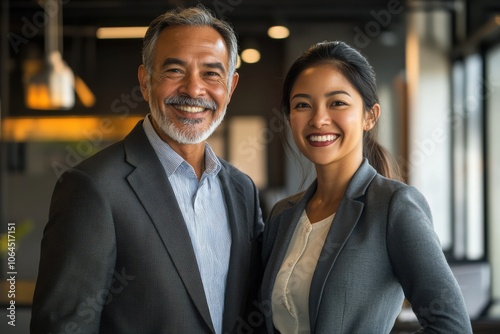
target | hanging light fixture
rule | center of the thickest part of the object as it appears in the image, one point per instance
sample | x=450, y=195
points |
x=53, y=86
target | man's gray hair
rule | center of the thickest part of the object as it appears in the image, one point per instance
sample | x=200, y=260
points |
x=198, y=16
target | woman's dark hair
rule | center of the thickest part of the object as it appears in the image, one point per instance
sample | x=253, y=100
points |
x=356, y=69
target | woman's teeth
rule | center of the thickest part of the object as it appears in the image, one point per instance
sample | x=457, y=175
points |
x=323, y=138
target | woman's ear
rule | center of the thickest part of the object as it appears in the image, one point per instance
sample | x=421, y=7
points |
x=371, y=117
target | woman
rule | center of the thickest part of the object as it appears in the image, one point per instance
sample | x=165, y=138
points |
x=342, y=256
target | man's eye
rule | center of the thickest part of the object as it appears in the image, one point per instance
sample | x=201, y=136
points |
x=174, y=70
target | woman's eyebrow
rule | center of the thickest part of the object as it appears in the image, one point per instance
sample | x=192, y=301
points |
x=335, y=92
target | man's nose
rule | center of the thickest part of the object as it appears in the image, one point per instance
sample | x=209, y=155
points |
x=192, y=85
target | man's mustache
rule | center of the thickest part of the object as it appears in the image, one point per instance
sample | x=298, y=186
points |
x=192, y=102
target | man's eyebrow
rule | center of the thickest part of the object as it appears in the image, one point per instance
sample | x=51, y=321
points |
x=173, y=61
x=216, y=65
x=177, y=61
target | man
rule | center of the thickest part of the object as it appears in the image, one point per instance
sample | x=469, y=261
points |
x=155, y=234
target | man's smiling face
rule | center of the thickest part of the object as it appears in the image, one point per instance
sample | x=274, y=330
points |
x=188, y=90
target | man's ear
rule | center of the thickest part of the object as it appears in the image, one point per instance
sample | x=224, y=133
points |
x=371, y=117
x=144, y=79
x=234, y=83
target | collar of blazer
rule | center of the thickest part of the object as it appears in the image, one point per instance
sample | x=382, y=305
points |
x=151, y=185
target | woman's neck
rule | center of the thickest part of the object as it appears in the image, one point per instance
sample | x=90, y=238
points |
x=332, y=182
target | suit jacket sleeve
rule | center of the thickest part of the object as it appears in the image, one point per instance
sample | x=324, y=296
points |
x=420, y=265
x=70, y=294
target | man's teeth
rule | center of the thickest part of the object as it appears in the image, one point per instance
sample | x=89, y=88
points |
x=190, y=109
x=322, y=138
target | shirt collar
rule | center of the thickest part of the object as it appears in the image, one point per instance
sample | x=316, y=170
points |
x=170, y=159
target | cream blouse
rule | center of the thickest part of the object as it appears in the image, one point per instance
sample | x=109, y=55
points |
x=290, y=298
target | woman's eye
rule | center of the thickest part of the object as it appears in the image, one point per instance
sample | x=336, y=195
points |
x=301, y=105
x=339, y=104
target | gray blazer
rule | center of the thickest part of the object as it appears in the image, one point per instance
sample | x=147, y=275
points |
x=116, y=256
x=381, y=248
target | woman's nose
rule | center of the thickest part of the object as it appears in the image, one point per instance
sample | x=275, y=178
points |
x=319, y=117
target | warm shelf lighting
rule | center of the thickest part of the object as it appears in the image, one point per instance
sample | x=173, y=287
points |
x=250, y=56
x=278, y=32
x=69, y=128
x=121, y=32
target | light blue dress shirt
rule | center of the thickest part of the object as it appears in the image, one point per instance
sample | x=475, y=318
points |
x=204, y=211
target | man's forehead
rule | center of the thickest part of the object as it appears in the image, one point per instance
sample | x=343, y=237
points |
x=193, y=37
x=193, y=40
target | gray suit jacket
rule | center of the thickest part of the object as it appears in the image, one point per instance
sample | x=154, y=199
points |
x=116, y=256
x=381, y=247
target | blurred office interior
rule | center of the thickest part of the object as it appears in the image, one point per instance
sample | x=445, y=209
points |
x=438, y=72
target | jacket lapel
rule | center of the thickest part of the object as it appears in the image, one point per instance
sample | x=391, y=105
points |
x=286, y=227
x=346, y=218
x=240, y=248
x=155, y=193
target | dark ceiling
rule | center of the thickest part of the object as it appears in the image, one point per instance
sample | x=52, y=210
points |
x=244, y=14
x=247, y=16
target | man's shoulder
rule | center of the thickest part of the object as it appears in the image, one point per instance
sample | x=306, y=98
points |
x=114, y=155
x=232, y=170
x=106, y=159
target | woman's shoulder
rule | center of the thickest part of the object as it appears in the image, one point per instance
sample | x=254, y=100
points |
x=386, y=185
x=287, y=202
x=396, y=194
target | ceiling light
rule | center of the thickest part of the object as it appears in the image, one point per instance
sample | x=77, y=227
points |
x=121, y=32
x=238, y=61
x=250, y=56
x=278, y=32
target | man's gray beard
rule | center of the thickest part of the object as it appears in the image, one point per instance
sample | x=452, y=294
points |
x=186, y=136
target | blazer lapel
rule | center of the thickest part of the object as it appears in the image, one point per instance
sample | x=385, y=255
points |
x=346, y=218
x=286, y=227
x=240, y=247
x=155, y=193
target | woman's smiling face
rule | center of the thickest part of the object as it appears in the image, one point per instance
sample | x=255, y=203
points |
x=327, y=116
